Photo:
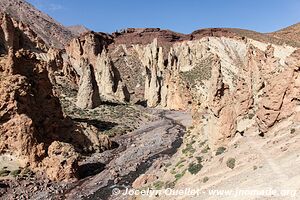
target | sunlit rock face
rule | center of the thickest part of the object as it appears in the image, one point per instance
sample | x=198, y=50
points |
x=33, y=127
x=229, y=82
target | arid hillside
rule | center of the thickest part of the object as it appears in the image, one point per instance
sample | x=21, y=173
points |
x=52, y=32
x=291, y=33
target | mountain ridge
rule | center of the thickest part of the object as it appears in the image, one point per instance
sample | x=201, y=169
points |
x=51, y=31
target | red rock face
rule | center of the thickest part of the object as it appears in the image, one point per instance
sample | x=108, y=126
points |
x=144, y=36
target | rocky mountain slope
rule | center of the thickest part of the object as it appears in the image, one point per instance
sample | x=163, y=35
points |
x=78, y=29
x=291, y=33
x=50, y=31
x=64, y=109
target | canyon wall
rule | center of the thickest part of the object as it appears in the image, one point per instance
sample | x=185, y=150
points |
x=33, y=127
x=230, y=83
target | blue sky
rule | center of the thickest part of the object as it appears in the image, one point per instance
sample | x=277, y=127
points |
x=182, y=16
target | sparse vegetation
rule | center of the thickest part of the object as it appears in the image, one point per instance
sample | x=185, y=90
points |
x=293, y=131
x=180, y=175
x=201, y=71
x=179, y=162
x=254, y=167
x=121, y=118
x=15, y=173
x=158, y=185
x=189, y=149
x=4, y=172
x=195, y=168
x=170, y=184
x=206, y=149
x=220, y=150
x=230, y=163
x=205, y=179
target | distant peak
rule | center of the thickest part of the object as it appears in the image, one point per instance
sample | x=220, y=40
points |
x=78, y=29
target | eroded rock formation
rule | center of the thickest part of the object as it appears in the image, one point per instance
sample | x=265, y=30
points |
x=99, y=79
x=229, y=81
x=33, y=127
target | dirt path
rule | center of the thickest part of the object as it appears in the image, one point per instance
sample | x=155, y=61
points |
x=135, y=154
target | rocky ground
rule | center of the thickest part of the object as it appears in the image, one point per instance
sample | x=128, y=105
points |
x=137, y=151
x=133, y=154
x=248, y=163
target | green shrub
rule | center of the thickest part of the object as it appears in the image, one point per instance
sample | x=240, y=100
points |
x=170, y=184
x=205, y=179
x=205, y=150
x=15, y=173
x=26, y=172
x=199, y=159
x=220, y=150
x=179, y=162
x=202, y=143
x=195, y=168
x=180, y=166
x=173, y=171
x=158, y=185
x=4, y=172
x=251, y=115
x=189, y=149
x=168, y=164
x=293, y=130
x=180, y=175
x=230, y=163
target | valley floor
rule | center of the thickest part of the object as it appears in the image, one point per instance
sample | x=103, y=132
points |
x=135, y=152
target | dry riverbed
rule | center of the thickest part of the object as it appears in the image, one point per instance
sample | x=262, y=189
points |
x=134, y=153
